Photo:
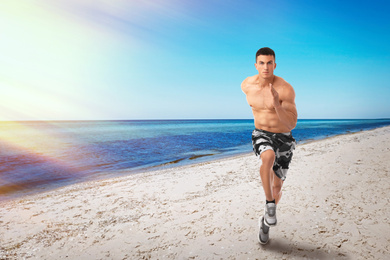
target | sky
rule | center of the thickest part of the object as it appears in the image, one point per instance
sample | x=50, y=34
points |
x=171, y=59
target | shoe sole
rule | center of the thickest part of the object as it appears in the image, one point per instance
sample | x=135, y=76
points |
x=261, y=242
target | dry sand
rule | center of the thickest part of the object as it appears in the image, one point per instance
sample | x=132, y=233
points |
x=335, y=206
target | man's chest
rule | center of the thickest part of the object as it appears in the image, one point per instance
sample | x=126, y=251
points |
x=260, y=99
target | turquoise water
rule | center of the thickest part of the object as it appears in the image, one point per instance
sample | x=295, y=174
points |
x=37, y=156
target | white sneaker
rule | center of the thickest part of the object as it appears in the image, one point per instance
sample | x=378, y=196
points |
x=264, y=232
x=270, y=214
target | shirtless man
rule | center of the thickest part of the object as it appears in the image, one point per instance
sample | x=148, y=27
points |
x=272, y=100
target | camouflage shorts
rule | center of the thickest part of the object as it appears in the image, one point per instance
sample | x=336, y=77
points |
x=283, y=144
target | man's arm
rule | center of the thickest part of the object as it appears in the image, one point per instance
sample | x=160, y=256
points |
x=286, y=109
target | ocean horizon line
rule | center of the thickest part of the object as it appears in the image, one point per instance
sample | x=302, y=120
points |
x=178, y=119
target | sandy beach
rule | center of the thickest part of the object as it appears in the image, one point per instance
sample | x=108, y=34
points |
x=335, y=205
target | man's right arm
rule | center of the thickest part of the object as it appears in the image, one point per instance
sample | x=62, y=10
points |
x=246, y=84
x=287, y=111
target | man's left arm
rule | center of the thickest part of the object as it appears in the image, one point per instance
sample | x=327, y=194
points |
x=285, y=106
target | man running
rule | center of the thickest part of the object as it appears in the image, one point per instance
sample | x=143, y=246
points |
x=272, y=100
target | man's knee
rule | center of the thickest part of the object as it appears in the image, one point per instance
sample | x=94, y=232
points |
x=268, y=157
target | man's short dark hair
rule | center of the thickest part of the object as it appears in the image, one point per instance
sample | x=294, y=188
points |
x=265, y=51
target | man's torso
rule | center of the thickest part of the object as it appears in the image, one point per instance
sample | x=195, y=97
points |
x=261, y=102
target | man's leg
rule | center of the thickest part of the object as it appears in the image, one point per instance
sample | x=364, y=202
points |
x=267, y=174
x=267, y=178
x=277, y=189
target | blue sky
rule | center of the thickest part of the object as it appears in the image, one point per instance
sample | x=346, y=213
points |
x=170, y=59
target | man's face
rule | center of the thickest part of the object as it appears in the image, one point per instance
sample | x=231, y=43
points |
x=265, y=65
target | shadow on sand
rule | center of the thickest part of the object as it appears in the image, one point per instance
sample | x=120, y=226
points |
x=302, y=250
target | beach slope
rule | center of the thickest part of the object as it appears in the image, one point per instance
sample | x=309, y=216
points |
x=335, y=205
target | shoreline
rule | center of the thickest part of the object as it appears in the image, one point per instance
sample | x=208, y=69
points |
x=179, y=163
x=332, y=207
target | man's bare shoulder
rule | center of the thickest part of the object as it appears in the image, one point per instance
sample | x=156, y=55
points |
x=249, y=82
x=286, y=91
x=281, y=84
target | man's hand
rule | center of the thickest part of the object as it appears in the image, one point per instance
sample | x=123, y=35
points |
x=275, y=96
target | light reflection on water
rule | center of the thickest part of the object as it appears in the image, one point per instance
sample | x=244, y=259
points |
x=51, y=154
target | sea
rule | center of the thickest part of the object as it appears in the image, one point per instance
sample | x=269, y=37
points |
x=37, y=156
